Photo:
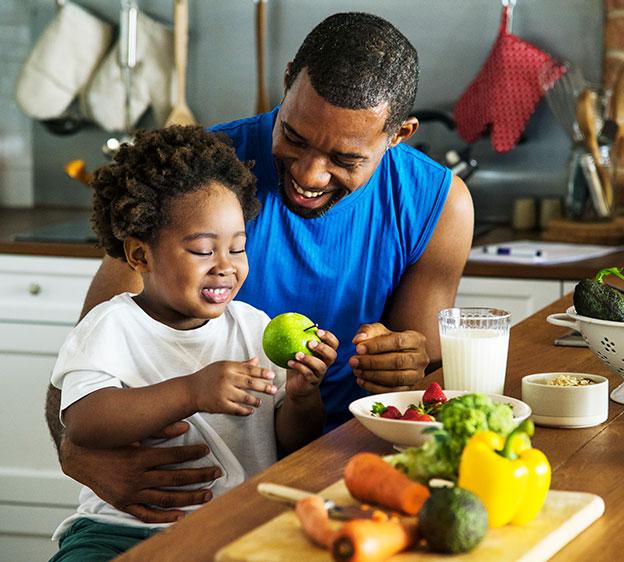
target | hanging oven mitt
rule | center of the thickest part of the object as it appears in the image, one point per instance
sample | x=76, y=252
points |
x=61, y=62
x=103, y=100
x=506, y=91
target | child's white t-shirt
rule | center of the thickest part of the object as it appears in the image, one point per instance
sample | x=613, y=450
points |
x=117, y=344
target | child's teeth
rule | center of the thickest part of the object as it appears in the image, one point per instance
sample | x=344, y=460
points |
x=217, y=291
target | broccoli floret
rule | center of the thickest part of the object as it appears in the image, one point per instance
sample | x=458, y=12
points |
x=461, y=418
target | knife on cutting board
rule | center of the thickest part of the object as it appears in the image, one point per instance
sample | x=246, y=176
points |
x=293, y=495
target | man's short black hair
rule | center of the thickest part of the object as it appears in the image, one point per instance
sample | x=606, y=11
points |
x=358, y=61
x=131, y=195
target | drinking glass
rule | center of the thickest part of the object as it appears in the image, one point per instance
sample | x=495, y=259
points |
x=474, y=348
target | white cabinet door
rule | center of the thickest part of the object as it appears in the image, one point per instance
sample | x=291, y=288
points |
x=40, y=301
x=520, y=297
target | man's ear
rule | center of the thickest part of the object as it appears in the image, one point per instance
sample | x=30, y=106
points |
x=137, y=255
x=405, y=131
x=286, y=75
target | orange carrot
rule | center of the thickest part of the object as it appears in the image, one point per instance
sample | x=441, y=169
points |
x=312, y=515
x=371, y=479
x=365, y=540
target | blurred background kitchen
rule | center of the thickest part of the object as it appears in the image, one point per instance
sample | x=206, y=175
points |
x=453, y=38
x=64, y=68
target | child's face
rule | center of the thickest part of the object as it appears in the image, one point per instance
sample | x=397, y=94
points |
x=198, y=263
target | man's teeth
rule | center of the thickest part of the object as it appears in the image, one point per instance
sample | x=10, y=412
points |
x=308, y=194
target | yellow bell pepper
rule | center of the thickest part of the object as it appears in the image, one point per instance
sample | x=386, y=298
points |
x=511, y=478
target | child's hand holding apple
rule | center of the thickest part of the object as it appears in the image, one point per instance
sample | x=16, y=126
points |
x=294, y=342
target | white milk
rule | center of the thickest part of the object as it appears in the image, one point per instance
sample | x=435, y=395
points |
x=474, y=359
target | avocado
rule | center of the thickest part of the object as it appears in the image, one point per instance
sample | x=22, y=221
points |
x=595, y=299
x=453, y=520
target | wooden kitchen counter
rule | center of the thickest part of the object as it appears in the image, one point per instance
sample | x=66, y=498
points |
x=13, y=221
x=590, y=460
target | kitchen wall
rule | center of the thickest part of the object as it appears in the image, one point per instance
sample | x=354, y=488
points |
x=16, y=161
x=453, y=38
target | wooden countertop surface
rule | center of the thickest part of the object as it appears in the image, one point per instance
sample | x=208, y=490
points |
x=589, y=460
x=14, y=221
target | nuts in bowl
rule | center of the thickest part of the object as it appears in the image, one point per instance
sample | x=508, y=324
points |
x=567, y=399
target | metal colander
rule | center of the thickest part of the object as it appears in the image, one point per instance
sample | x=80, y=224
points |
x=604, y=338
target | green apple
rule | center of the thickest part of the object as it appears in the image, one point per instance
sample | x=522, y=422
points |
x=287, y=334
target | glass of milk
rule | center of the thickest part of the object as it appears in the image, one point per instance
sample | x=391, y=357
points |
x=474, y=348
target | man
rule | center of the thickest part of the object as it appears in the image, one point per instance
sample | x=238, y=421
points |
x=358, y=231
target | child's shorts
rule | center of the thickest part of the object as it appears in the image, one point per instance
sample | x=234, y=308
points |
x=90, y=541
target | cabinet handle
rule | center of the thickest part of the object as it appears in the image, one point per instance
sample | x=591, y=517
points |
x=34, y=289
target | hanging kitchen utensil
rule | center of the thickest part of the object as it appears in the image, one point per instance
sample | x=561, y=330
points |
x=180, y=113
x=262, y=102
x=103, y=101
x=127, y=61
x=587, y=119
x=505, y=92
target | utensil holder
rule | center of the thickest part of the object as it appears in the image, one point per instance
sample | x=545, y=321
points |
x=586, y=199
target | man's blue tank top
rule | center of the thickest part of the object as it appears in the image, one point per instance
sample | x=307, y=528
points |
x=339, y=269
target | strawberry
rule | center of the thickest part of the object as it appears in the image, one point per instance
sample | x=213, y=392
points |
x=412, y=414
x=434, y=395
x=390, y=412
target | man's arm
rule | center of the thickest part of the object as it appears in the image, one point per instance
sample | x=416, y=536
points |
x=393, y=356
x=431, y=284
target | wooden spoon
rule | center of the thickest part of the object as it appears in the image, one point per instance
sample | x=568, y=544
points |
x=262, y=102
x=586, y=118
x=180, y=113
x=617, y=114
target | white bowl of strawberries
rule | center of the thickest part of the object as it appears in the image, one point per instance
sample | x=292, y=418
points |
x=401, y=417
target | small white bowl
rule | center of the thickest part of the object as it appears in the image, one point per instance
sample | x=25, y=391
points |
x=405, y=433
x=566, y=406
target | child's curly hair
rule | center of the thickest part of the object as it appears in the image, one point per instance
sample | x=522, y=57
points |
x=131, y=194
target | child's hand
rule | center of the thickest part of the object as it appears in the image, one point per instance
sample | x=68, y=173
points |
x=307, y=371
x=224, y=387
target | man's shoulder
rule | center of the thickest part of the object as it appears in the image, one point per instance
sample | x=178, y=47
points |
x=237, y=126
x=404, y=154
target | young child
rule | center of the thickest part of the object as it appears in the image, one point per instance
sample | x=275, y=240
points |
x=174, y=207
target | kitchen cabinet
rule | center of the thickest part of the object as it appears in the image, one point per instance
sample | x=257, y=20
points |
x=40, y=301
x=521, y=297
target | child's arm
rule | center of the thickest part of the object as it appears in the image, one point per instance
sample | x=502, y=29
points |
x=113, y=417
x=301, y=417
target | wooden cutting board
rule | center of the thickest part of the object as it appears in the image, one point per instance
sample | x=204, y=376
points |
x=565, y=515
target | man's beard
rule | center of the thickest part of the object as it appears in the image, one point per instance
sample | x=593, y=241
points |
x=304, y=212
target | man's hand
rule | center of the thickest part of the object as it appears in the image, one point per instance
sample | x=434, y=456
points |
x=132, y=480
x=388, y=361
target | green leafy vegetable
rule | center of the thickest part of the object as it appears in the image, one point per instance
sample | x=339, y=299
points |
x=461, y=418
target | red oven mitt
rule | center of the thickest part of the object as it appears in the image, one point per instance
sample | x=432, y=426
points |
x=506, y=91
